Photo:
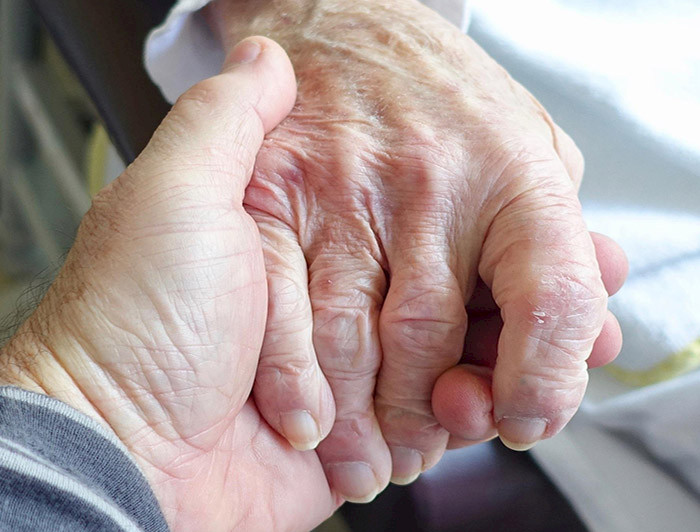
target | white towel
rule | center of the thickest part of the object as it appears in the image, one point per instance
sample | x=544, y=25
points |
x=659, y=306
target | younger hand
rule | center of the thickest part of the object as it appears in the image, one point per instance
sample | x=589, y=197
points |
x=155, y=323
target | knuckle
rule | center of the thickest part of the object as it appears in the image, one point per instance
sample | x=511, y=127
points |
x=520, y=165
x=528, y=177
x=417, y=135
x=348, y=274
x=352, y=424
x=559, y=356
x=538, y=170
x=531, y=220
x=421, y=333
x=412, y=420
x=282, y=365
x=428, y=165
x=276, y=188
x=335, y=322
x=392, y=405
x=350, y=377
x=551, y=202
x=425, y=319
x=344, y=339
x=564, y=313
x=287, y=302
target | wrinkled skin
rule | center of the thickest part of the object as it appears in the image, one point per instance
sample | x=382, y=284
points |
x=154, y=325
x=411, y=170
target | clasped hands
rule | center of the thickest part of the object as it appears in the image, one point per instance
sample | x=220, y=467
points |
x=328, y=264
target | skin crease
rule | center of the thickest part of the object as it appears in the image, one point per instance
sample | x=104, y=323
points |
x=412, y=168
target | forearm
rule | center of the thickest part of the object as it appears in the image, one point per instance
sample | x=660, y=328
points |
x=61, y=464
x=38, y=357
x=65, y=350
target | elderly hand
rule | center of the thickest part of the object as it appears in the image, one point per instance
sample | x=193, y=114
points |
x=411, y=167
x=155, y=323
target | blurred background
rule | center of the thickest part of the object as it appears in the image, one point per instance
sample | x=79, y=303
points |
x=54, y=154
x=622, y=78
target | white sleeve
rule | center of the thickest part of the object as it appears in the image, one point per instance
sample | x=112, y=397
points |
x=183, y=50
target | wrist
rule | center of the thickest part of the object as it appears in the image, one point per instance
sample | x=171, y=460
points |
x=28, y=361
x=285, y=20
x=47, y=355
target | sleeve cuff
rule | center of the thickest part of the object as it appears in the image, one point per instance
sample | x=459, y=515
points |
x=61, y=470
x=182, y=50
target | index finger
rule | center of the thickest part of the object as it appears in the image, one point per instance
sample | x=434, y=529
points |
x=541, y=264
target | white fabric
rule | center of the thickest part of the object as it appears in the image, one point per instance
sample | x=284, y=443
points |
x=183, y=50
x=614, y=486
x=623, y=78
x=631, y=463
x=664, y=253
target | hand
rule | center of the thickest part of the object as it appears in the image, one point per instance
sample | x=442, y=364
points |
x=462, y=399
x=411, y=167
x=155, y=323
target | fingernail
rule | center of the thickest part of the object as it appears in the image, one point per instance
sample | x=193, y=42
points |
x=354, y=481
x=521, y=434
x=300, y=429
x=246, y=51
x=407, y=465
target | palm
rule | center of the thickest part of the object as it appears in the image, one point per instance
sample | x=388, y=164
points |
x=158, y=315
x=154, y=325
x=178, y=299
x=270, y=483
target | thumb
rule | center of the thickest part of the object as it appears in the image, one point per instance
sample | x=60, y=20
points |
x=170, y=235
x=213, y=132
x=540, y=263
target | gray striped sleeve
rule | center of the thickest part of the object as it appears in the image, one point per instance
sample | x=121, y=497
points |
x=60, y=471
